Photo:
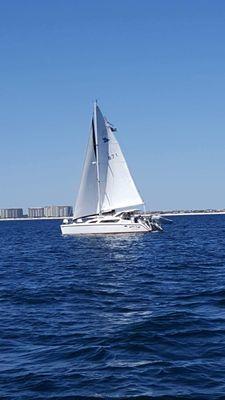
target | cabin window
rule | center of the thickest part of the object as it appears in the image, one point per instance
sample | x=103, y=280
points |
x=109, y=220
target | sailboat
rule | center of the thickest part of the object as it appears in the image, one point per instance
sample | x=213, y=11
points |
x=108, y=200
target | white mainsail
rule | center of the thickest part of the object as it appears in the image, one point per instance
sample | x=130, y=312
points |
x=106, y=182
x=87, y=199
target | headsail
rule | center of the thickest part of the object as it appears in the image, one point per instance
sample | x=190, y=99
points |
x=117, y=187
x=121, y=191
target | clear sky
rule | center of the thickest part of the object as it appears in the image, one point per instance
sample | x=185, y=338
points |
x=157, y=69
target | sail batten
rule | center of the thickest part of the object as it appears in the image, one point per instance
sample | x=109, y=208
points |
x=106, y=182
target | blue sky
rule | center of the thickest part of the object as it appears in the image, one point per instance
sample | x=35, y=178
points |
x=157, y=69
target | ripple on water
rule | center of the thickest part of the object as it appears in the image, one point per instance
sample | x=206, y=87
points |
x=127, y=316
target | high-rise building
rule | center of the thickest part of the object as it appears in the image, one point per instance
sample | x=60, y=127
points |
x=58, y=211
x=36, y=212
x=11, y=213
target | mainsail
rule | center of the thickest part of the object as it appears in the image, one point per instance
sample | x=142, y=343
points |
x=87, y=199
x=106, y=182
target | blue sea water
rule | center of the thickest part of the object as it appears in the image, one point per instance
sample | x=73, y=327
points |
x=138, y=316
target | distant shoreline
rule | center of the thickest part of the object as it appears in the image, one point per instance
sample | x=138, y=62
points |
x=193, y=213
x=166, y=214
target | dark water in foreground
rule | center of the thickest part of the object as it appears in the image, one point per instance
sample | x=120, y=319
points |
x=130, y=316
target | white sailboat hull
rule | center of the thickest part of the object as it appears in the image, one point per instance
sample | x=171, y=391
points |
x=88, y=229
x=106, y=187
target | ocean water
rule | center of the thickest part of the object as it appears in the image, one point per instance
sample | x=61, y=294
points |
x=138, y=316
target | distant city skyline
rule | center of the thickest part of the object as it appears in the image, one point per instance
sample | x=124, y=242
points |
x=157, y=70
x=37, y=212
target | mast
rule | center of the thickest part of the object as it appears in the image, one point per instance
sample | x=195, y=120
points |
x=97, y=157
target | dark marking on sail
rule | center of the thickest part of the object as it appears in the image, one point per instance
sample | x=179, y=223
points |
x=93, y=136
